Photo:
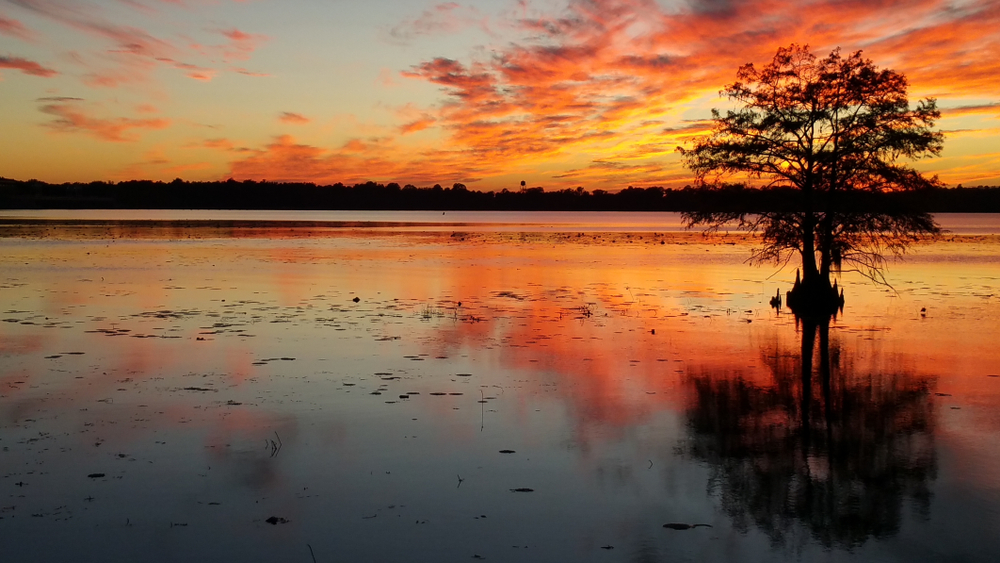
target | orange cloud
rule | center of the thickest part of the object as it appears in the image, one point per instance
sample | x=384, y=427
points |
x=293, y=118
x=71, y=118
x=414, y=118
x=417, y=125
x=356, y=161
x=601, y=92
x=26, y=66
x=224, y=144
x=984, y=110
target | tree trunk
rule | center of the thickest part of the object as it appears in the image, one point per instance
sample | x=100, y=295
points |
x=814, y=297
x=809, y=270
x=826, y=247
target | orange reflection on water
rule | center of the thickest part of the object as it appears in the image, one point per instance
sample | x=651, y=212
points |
x=594, y=355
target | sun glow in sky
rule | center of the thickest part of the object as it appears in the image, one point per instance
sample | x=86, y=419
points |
x=559, y=93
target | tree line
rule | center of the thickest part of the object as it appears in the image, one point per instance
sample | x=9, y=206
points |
x=250, y=194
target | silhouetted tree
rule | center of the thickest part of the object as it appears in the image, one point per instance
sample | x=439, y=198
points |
x=827, y=128
x=250, y=194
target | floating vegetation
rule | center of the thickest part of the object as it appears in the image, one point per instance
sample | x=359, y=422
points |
x=275, y=520
x=682, y=526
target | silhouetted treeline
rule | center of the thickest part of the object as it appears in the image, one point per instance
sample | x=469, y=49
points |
x=249, y=194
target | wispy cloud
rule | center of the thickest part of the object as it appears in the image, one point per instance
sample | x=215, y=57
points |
x=983, y=110
x=219, y=143
x=441, y=19
x=14, y=28
x=357, y=160
x=293, y=118
x=238, y=46
x=131, y=52
x=193, y=71
x=417, y=125
x=414, y=119
x=125, y=39
x=241, y=44
x=72, y=117
x=246, y=72
x=26, y=66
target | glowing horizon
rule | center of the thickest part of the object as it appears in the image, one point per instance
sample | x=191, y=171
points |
x=558, y=93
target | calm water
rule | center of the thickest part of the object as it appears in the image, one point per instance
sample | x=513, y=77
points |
x=167, y=389
x=491, y=221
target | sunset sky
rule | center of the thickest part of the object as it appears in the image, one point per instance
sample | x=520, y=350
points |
x=558, y=93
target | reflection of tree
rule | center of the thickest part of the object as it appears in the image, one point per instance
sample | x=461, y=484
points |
x=835, y=449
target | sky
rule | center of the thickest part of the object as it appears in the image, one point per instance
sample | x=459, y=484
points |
x=489, y=93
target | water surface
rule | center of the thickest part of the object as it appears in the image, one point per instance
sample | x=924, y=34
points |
x=165, y=390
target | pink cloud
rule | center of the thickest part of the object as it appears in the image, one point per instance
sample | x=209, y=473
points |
x=27, y=67
x=237, y=35
x=442, y=19
x=250, y=72
x=193, y=71
x=387, y=78
x=126, y=39
x=145, y=9
x=133, y=52
x=241, y=44
x=14, y=28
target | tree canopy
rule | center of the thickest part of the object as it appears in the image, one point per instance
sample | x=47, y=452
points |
x=823, y=127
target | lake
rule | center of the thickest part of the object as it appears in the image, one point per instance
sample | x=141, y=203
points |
x=417, y=386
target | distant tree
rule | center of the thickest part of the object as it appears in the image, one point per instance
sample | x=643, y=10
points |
x=828, y=128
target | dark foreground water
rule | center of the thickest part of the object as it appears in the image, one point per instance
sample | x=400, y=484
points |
x=456, y=391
